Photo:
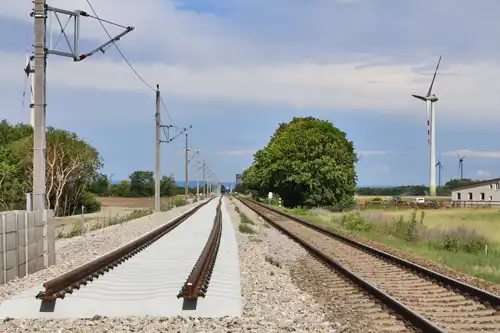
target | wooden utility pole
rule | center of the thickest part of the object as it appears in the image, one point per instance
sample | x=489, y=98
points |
x=157, y=158
x=187, y=172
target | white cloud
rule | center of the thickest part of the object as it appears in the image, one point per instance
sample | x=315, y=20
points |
x=481, y=174
x=374, y=152
x=301, y=85
x=236, y=152
x=207, y=57
x=473, y=153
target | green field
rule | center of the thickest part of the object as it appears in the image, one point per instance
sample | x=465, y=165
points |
x=464, y=239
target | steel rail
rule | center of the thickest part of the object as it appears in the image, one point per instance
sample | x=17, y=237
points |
x=408, y=314
x=74, y=279
x=196, y=284
x=480, y=294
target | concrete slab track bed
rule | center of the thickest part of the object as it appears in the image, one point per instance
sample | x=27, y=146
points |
x=148, y=283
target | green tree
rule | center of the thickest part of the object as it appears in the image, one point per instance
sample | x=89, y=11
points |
x=307, y=162
x=122, y=189
x=99, y=185
x=142, y=183
x=70, y=165
x=167, y=186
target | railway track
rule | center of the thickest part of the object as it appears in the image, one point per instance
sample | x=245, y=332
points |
x=426, y=300
x=194, y=287
x=197, y=282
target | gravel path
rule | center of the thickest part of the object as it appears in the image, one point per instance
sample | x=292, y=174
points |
x=272, y=303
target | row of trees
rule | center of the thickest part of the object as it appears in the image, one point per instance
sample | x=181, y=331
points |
x=307, y=162
x=70, y=165
x=140, y=184
x=72, y=177
x=415, y=190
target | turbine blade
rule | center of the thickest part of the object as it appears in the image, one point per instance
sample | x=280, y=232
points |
x=433, y=78
x=419, y=97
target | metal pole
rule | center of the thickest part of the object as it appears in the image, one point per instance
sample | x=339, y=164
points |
x=187, y=173
x=157, y=161
x=83, y=221
x=198, y=183
x=39, y=106
x=203, y=178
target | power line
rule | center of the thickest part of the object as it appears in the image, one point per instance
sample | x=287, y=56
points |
x=118, y=49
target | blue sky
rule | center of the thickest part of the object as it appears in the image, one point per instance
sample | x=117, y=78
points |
x=235, y=69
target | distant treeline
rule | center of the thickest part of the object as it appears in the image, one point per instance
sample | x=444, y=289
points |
x=140, y=184
x=415, y=190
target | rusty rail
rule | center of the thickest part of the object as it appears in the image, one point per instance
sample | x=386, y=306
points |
x=197, y=282
x=74, y=279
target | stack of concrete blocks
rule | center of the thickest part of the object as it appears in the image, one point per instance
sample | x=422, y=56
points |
x=26, y=246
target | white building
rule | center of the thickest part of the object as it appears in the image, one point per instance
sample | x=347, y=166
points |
x=487, y=191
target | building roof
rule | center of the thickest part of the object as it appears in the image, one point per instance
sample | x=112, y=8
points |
x=484, y=182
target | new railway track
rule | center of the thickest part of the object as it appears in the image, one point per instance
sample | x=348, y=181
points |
x=425, y=300
x=196, y=283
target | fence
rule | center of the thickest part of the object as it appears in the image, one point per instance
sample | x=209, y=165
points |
x=470, y=203
x=25, y=245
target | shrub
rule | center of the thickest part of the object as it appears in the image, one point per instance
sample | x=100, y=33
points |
x=90, y=202
x=179, y=201
x=246, y=229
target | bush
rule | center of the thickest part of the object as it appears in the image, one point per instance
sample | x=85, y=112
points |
x=355, y=222
x=90, y=202
x=377, y=199
x=179, y=201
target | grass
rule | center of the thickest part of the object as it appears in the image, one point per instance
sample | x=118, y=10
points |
x=246, y=229
x=467, y=240
x=76, y=229
x=404, y=197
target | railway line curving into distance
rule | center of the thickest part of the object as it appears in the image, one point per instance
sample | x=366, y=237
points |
x=423, y=299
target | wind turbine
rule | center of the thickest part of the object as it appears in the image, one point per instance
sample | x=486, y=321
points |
x=461, y=166
x=430, y=99
x=440, y=168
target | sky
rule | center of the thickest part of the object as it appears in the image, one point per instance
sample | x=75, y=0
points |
x=235, y=69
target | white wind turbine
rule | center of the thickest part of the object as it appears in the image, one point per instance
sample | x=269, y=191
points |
x=430, y=99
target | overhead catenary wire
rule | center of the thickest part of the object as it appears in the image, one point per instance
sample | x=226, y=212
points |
x=118, y=49
x=130, y=65
x=137, y=74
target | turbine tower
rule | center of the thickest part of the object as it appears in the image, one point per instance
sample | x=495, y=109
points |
x=440, y=168
x=430, y=99
x=461, y=166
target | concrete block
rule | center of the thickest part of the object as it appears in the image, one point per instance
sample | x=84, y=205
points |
x=40, y=263
x=38, y=233
x=31, y=219
x=22, y=270
x=10, y=221
x=11, y=259
x=32, y=251
x=38, y=218
x=32, y=266
x=21, y=255
x=31, y=236
x=39, y=246
x=51, y=230
x=21, y=237
x=11, y=273
x=52, y=258
x=52, y=246
x=10, y=241
x=21, y=219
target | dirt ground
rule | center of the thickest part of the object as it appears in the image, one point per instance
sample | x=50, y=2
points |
x=112, y=207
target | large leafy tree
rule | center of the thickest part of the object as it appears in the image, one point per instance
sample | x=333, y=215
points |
x=307, y=162
x=71, y=163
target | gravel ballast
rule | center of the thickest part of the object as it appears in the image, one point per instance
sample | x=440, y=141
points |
x=271, y=301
